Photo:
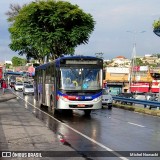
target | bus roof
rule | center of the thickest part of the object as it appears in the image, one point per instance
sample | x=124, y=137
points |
x=57, y=61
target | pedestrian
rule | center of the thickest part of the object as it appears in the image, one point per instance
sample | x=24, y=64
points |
x=1, y=83
x=4, y=86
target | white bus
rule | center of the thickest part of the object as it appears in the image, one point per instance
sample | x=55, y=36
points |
x=70, y=83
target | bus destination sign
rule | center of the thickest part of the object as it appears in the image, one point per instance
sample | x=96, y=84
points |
x=81, y=61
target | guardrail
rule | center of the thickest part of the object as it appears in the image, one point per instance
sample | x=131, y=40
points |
x=137, y=101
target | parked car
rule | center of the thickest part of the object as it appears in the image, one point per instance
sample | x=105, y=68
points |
x=139, y=95
x=18, y=87
x=106, y=99
x=126, y=95
x=26, y=82
x=28, y=89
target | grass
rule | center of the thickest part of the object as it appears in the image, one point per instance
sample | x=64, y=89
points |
x=137, y=109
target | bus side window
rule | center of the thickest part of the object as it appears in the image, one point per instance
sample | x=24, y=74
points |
x=52, y=73
x=48, y=75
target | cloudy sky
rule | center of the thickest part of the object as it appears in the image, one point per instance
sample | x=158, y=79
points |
x=119, y=23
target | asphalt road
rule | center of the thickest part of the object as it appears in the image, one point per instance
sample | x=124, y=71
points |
x=105, y=130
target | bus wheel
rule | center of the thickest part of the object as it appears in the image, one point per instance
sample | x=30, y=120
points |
x=69, y=111
x=87, y=112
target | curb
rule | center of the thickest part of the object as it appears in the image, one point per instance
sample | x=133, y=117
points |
x=137, y=109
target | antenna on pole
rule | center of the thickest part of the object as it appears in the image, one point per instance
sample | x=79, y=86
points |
x=133, y=58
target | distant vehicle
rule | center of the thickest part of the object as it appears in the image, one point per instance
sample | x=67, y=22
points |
x=18, y=87
x=150, y=96
x=12, y=84
x=126, y=95
x=70, y=83
x=139, y=95
x=26, y=82
x=153, y=99
x=28, y=89
x=106, y=99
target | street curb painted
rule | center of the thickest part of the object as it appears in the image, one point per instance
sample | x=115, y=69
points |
x=137, y=109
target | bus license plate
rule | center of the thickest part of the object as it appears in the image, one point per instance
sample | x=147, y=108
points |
x=81, y=105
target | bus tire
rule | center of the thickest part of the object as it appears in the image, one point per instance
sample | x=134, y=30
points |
x=87, y=112
x=110, y=107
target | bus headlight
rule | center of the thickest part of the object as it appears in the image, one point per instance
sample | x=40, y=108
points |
x=97, y=99
x=63, y=98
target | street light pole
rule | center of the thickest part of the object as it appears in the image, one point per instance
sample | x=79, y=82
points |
x=133, y=58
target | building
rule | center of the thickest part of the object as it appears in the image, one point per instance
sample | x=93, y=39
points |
x=136, y=79
x=8, y=62
x=116, y=79
x=140, y=79
x=155, y=74
x=121, y=61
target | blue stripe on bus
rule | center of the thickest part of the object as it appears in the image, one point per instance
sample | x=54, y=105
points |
x=88, y=97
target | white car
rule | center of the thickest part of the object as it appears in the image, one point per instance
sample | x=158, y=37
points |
x=18, y=87
x=28, y=89
x=107, y=99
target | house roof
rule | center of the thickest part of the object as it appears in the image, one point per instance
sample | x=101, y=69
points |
x=121, y=57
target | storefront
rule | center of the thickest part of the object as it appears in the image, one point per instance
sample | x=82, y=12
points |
x=115, y=88
x=155, y=86
x=139, y=87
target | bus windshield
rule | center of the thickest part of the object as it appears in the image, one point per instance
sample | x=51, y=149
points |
x=80, y=79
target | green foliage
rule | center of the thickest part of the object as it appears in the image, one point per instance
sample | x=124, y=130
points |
x=99, y=55
x=49, y=28
x=16, y=61
x=156, y=24
x=139, y=62
x=8, y=65
x=157, y=55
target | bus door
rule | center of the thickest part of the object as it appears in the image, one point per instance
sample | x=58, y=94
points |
x=53, y=87
x=56, y=77
x=43, y=86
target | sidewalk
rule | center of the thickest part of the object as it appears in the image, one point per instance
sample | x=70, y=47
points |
x=7, y=96
x=20, y=131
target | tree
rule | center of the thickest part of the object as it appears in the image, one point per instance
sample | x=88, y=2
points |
x=99, y=55
x=138, y=62
x=49, y=28
x=14, y=10
x=157, y=55
x=8, y=65
x=16, y=61
x=156, y=24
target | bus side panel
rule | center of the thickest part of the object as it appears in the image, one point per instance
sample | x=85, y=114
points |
x=43, y=86
x=49, y=94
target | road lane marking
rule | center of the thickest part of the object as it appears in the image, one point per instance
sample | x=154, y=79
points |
x=83, y=135
x=136, y=124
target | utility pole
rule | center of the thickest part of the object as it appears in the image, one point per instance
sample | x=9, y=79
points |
x=133, y=58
